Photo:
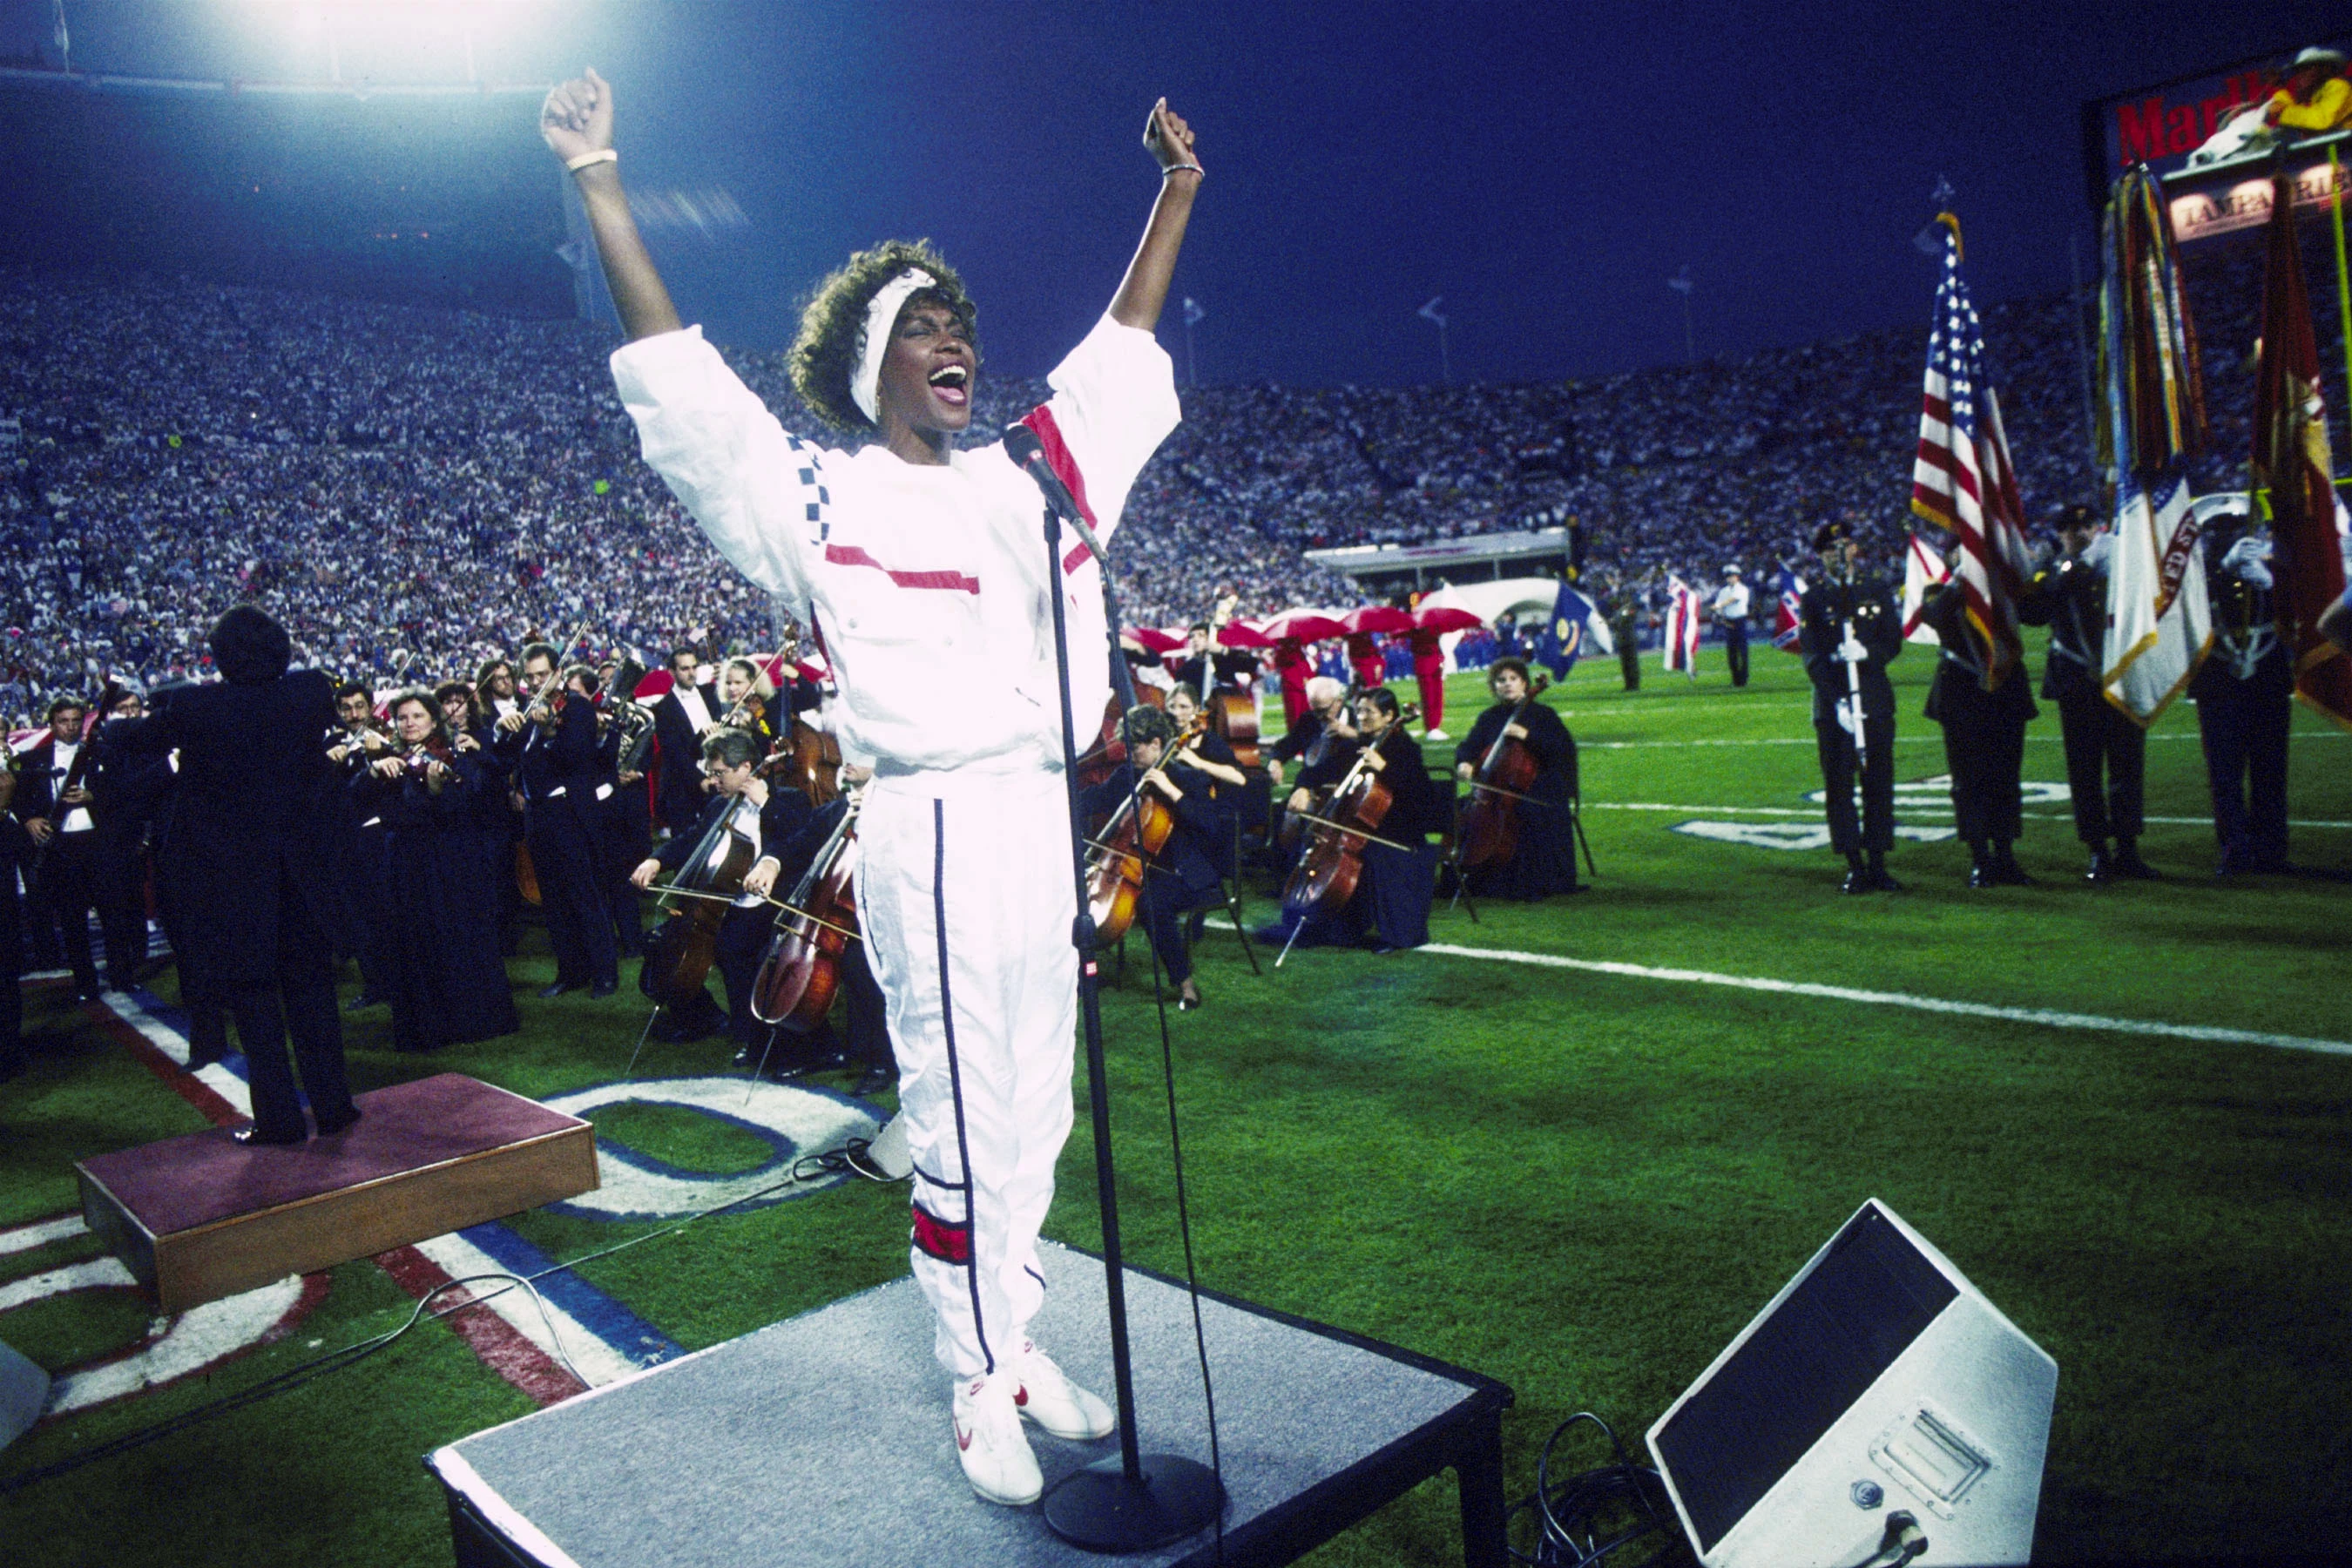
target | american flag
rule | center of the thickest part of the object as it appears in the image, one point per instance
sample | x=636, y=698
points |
x=1962, y=479
x=1789, y=622
x=1681, y=626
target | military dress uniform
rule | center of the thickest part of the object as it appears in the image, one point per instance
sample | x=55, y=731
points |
x=1984, y=741
x=2245, y=692
x=1825, y=611
x=2106, y=753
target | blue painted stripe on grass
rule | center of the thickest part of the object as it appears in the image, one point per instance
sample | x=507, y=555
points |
x=608, y=1320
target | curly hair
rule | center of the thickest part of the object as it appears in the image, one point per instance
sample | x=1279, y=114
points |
x=824, y=354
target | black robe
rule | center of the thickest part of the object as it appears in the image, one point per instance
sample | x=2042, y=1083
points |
x=1544, y=859
x=441, y=937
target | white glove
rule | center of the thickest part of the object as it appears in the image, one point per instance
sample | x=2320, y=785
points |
x=1852, y=651
x=2249, y=559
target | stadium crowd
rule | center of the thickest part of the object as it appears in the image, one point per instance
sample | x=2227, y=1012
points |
x=419, y=486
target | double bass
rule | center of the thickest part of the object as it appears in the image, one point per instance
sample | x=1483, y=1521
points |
x=802, y=972
x=680, y=951
x=1488, y=832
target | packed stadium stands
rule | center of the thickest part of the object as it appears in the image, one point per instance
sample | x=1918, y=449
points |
x=394, y=480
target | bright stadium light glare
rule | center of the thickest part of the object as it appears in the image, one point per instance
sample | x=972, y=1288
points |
x=383, y=40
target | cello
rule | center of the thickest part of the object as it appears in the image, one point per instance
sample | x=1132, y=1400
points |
x=802, y=972
x=680, y=951
x=1331, y=861
x=1489, y=829
x=1120, y=855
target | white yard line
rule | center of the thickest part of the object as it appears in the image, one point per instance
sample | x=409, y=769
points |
x=1929, y=806
x=2036, y=1015
x=174, y=1044
x=24, y=1238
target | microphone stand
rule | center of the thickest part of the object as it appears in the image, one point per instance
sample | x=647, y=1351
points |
x=1138, y=1501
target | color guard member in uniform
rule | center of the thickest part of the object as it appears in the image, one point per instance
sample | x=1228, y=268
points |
x=2245, y=700
x=1850, y=624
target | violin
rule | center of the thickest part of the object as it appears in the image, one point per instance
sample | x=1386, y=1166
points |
x=680, y=951
x=802, y=972
x=1120, y=855
x=1488, y=832
x=436, y=749
x=1331, y=861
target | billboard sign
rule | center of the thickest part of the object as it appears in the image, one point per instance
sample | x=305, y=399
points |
x=2161, y=125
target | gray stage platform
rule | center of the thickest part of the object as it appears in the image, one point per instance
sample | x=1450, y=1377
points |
x=825, y=1441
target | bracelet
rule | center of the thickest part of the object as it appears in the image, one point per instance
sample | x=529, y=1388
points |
x=1173, y=167
x=604, y=155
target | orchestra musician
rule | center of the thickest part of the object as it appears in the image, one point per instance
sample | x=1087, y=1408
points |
x=490, y=814
x=685, y=712
x=122, y=813
x=1323, y=732
x=626, y=812
x=864, y=1042
x=1544, y=861
x=730, y=760
x=554, y=747
x=494, y=698
x=905, y=551
x=748, y=700
x=447, y=981
x=358, y=864
x=1389, y=909
x=53, y=802
x=1184, y=876
x=16, y=856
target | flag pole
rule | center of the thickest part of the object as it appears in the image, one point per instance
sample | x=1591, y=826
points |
x=2342, y=279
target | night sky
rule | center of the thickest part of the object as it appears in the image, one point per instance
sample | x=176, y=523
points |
x=1546, y=168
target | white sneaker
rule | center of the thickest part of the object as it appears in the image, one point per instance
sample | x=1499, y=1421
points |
x=989, y=1442
x=1050, y=1399
x=1435, y=735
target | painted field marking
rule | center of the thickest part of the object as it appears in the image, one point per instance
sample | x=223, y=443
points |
x=25, y=1237
x=2300, y=735
x=1943, y=808
x=2042, y=1017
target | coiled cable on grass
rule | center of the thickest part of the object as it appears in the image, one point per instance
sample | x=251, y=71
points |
x=1584, y=1518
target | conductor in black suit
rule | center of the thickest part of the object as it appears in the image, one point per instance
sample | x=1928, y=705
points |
x=244, y=849
x=684, y=711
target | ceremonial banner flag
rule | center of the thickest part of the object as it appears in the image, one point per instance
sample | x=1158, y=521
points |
x=2293, y=462
x=1922, y=570
x=1962, y=479
x=1575, y=623
x=2160, y=623
x=1681, y=626
x=1789, y=617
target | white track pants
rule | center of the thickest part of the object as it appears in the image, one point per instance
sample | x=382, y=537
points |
x=964, y=894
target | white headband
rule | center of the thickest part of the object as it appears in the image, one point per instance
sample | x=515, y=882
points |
x=874, y=340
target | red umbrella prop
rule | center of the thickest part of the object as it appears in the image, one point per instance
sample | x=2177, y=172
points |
x=1302, y=625
x=1377, y=618
x=656, y=683
x=1154, y=641
x=1241, y=634
x=1445, y=618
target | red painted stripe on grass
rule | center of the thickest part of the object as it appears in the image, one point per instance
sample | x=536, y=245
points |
x=149, y=1054
x=502, y=1347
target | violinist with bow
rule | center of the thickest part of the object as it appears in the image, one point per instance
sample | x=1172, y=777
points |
x=556, y=746
x=1183, y=876
x=440, y=936
x=1388, y=909
x=743, y=803
x=1540, y=860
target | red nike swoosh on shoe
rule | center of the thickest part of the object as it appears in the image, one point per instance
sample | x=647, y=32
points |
x=963, y=1438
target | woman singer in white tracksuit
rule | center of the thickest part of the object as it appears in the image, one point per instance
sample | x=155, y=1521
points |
x=908, y=558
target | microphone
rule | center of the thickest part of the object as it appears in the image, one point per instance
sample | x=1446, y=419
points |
x=1020, y=443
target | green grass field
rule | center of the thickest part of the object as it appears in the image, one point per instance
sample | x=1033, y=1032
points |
x=1581, y=1182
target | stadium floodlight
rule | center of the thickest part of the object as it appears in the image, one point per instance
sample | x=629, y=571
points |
x=360, y=39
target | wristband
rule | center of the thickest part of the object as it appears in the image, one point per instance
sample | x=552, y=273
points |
x=1173, y=167
x=603, y=155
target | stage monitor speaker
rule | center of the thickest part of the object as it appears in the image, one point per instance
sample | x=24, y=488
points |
x=23, y=1393
x=1878, y=1380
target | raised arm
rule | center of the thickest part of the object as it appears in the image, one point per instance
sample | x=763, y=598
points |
x=577, y=123
x=1144, y=289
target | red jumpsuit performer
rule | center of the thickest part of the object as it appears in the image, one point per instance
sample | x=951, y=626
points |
x=1290, y=664
x=1429, y=669
x=1371, y=670
x=905, y=554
